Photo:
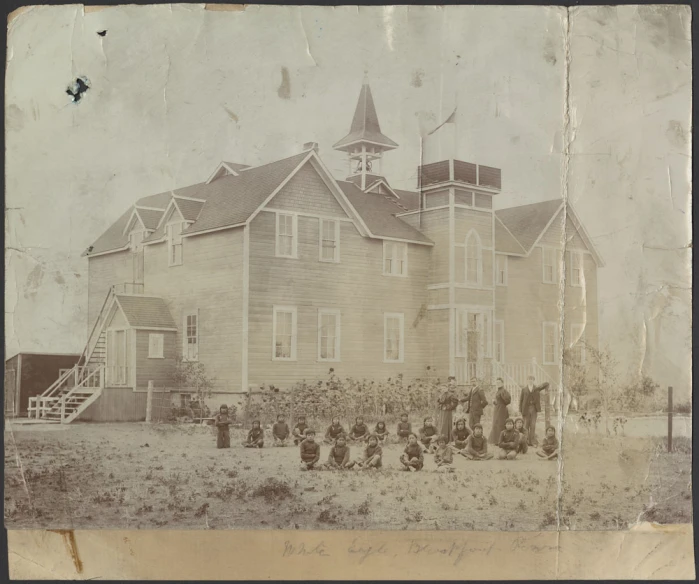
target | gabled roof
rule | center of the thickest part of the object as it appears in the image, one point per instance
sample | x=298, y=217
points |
x=150, y=217
x=505, y=242
x=379, y=214
x=365, y=124
x=237, y=167
x=408, y=199
x=189, y=208
x=145, y=312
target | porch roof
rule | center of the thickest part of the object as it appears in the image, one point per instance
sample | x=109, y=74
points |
x=148, y=312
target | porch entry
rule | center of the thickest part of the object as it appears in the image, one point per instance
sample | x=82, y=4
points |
x=473, y=343
x=118, y=357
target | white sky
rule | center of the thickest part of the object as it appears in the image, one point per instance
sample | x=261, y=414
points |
x=176, y=88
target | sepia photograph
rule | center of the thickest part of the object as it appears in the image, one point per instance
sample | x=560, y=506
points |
x=353, y=268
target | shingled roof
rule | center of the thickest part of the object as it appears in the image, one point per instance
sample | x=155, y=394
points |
x=365, y=124
x=527, y=222
x=146, y=312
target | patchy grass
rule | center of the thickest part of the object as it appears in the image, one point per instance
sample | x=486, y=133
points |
x=101, y=476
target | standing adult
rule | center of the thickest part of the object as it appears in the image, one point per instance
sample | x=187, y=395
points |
x=530, y=406
x=500, y=414
x=476, y=402
x=447, y=402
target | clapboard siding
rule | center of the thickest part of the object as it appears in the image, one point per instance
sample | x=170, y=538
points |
x=103, y=272
x=439, y=296
x=460, y=266
x=438, y=329
x=159, y=371
x=209, y=280
x=466, y=220
x=435, y=225
x=355, y=286
x=306, y=192
x=116, y=404
x=473, y=297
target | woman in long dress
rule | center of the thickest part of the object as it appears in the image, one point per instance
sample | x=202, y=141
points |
x=500, y=414
x=447, y=402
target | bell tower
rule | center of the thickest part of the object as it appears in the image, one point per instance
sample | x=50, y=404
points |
x=365, y=144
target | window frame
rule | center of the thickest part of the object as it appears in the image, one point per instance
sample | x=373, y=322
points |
x=580, y=341
x=171, y=244
x=186, y=337
x=479, y=258
x=336, y=255
x=401, y=338
x=554, y=265
x=294, y=235
x=395, y=245
x=151, y=337
x=500, y=259
x=499, y=325
x=277, y=309
x=545, y=326
x=338, y=329
x=581, y=258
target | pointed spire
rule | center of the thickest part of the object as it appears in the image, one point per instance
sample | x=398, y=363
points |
x=365, y=123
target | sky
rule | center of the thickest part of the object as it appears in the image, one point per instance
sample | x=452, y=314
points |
x=174, y=89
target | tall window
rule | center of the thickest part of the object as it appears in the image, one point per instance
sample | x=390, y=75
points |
x=284, y=333
x=190, y=337
x=393, y=337
x=329, y=240
x=576, y=268
x=499, y=341
x=395, y=258
x=550, y=257
x=474, y=259
x=174, y=243
x=286, y=235
x=135, y=240
x=550, y=344
x=328, y=335
x=577, y=343
x=501, y=270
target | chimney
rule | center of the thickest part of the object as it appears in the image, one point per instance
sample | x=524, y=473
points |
x=311, y=146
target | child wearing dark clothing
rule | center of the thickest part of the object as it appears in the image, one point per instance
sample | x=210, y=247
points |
x=477, y=445
x=509, y=441
x=333, y=432
x=443, y=456
x=371, y=457
x=404, y=428
x=381, y=432
x=222, y=422
x=299, y=431
x=549, y=446
x=460, y=435
x=522, y=445
x=339, y=457
x=280, y=431
x=256, y=436
x=428, y=435
x=310, y=451
x=359, y=432
x=412, y=459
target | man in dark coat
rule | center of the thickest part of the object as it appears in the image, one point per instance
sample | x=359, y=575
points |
x=475, y=402
x=530, y=406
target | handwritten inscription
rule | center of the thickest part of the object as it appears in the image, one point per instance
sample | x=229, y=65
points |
x=457, y=550
x=363, y=552
x=291, y=549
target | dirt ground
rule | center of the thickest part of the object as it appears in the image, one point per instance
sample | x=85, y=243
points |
x=172, y=476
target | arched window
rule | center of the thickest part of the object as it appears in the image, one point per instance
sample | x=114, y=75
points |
x=474, y=258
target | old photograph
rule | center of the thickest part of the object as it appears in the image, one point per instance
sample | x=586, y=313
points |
x=352, y=268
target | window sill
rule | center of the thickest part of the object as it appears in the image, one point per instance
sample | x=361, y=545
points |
x=155, y=357
x=284, y=359
x=328, y=361
x=329, y=261
x=285, y=257
x=396, y=275
x=400, y=361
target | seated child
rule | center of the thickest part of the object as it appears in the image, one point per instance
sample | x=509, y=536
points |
x=371, y=457
x=522, y=445
x=359, y=432
x=412, y=459
x=339, y=457
x=549, y=446
x=404, y=428
x=222, y=422
x=476, y=445
x=256, y=436
x=310, y=451
x=381, y=432
x=333, y=432
x=428, y=435
x=299, y=431
x=443, y=456
x=460, y=435
x=509, y=441
x=280, y=431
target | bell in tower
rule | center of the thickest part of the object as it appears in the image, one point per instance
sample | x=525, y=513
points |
x=365, y=144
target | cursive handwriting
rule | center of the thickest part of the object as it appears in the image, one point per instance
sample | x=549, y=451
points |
x=457, y=550
x=300, y=550
x=525, y=543
x=365, y=552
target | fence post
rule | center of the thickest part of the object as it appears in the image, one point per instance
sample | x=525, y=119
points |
x=669, y=419
x=63, y=409
x=149, y=403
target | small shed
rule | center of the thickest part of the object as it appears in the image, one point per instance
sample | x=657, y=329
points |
x=29, y=374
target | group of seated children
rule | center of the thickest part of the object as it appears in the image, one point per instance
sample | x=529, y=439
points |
x=467, y=442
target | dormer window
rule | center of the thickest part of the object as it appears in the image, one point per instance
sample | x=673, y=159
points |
x=395, y=258
x=136, y=239
x=174, y=242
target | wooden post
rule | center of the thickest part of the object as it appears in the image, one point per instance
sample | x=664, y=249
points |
x=63, y=409
x=149, y=403
x=669, y=419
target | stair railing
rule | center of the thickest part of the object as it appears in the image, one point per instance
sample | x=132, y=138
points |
x=62, y=402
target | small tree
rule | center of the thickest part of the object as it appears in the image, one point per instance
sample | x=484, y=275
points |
x=192, y=376
x=607, y=366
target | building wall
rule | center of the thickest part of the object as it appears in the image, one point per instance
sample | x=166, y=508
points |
x=159, y=371
x=307, y=191
x=103, y=272
x=38, y=372
x=210, y=281
x=116, y=404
